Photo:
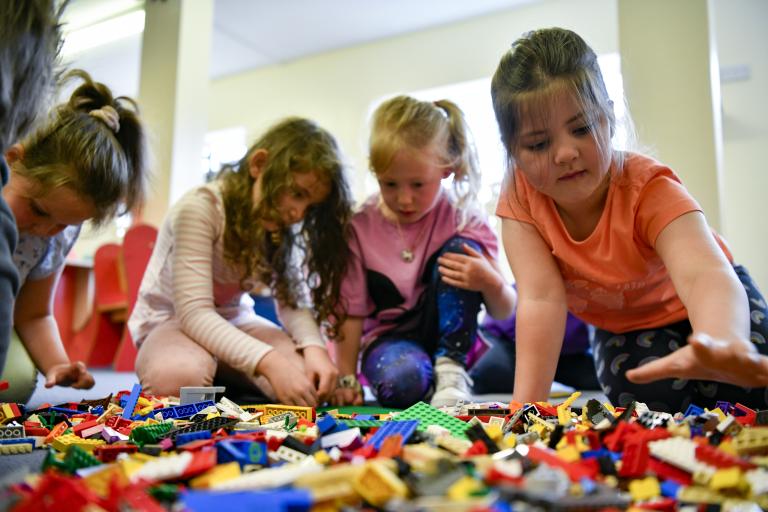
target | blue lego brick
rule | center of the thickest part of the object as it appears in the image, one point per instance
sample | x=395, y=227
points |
x=285, y=500
x=183, y=411
x=404, y=428
x=593, y=454
x=724, y=406
x=364, y=417
x=188, y=437
x=669, y=488
x=693, y=410
x=130, y=402
x=241, y=451
x=325, y=424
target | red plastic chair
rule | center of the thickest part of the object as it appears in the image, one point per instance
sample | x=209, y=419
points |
x=97, y=342
x=138, y=244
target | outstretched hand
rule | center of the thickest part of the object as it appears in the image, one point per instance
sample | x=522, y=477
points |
x=472, y=271
x=707, y=358
x=74, y=375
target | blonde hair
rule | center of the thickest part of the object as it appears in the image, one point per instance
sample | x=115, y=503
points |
x=93, y=143
x=405, y=122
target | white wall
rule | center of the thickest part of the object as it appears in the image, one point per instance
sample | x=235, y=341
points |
x=743, y=41
x=337, y=88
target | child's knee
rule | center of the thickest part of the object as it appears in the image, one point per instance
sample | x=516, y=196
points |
x=404, y=382
x=160, y=377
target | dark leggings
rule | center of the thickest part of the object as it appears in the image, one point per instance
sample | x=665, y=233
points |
x=616, y=353
x=399, y=366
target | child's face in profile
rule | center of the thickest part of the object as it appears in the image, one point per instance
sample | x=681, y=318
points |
x=306, y=189
x=411, y=184
x=46, y=214
x=563, y=151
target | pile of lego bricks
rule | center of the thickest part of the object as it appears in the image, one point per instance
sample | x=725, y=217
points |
x=136, y=452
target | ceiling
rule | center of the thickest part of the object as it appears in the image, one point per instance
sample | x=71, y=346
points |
x=248, y=34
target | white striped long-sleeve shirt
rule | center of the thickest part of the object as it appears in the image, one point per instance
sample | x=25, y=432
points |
x=187, y=278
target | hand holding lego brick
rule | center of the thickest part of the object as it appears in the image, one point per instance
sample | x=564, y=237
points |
x=290, y=385
x=321, y=371
x=708, y=358
x=74, y=375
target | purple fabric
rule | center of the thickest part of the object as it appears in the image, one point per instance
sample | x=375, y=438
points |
x=576, y=332
x=399, y=372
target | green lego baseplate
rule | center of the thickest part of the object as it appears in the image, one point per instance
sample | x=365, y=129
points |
x=428, y=415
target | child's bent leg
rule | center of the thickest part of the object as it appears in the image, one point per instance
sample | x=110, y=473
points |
x=398, y=370
x=457, y=309
x=168, y=359
x=616, y=353
x=20, y=372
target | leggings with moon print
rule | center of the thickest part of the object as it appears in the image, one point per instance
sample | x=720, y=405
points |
x=399, y=365
x=616, y=353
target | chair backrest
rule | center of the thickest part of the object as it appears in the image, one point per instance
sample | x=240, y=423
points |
x=109, y=283
x=138, y=243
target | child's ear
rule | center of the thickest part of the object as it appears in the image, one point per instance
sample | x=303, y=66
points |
x=258, y=162
x=15, y=153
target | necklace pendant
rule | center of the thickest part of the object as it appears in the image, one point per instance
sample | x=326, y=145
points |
x=407, y=255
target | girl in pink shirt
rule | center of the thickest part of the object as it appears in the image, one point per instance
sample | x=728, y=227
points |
x=278, y=218
x=422, y=262
x=616, y=239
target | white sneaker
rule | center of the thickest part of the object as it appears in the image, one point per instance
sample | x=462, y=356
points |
x=451, y=383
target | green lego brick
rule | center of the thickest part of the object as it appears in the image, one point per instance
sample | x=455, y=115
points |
x=150, y=434
x=362, y=423
x=428, y=415
x=78, y=458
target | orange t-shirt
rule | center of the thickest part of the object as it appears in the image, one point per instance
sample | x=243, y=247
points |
x=614, y=279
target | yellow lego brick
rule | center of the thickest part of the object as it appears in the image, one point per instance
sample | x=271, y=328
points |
x=216, y=475
x=270, y=410
x=644, y=489
x=322, y=457
x=494, y=432
x=569, y=453
x=377, y=484
x=12, y=449
x=99, y=481
x=538, y=421
x=699, y=494
x=752, y=441
x=729, y=479
x=464, y=488
x=334, y=484
x=716, y=411
x=66, y=441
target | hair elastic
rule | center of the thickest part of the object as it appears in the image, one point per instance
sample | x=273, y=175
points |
x=108, y=115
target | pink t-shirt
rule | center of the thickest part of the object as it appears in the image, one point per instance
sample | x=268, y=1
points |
x=379, y=285
x=614, y=279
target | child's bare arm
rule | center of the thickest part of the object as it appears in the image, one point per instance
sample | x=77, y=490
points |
x=347, y=351
x=541, y=310
x=37, y=328
x=479, y=272
x=717, y=308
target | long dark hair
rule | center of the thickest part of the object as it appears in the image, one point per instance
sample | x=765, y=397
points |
x=294, y=145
